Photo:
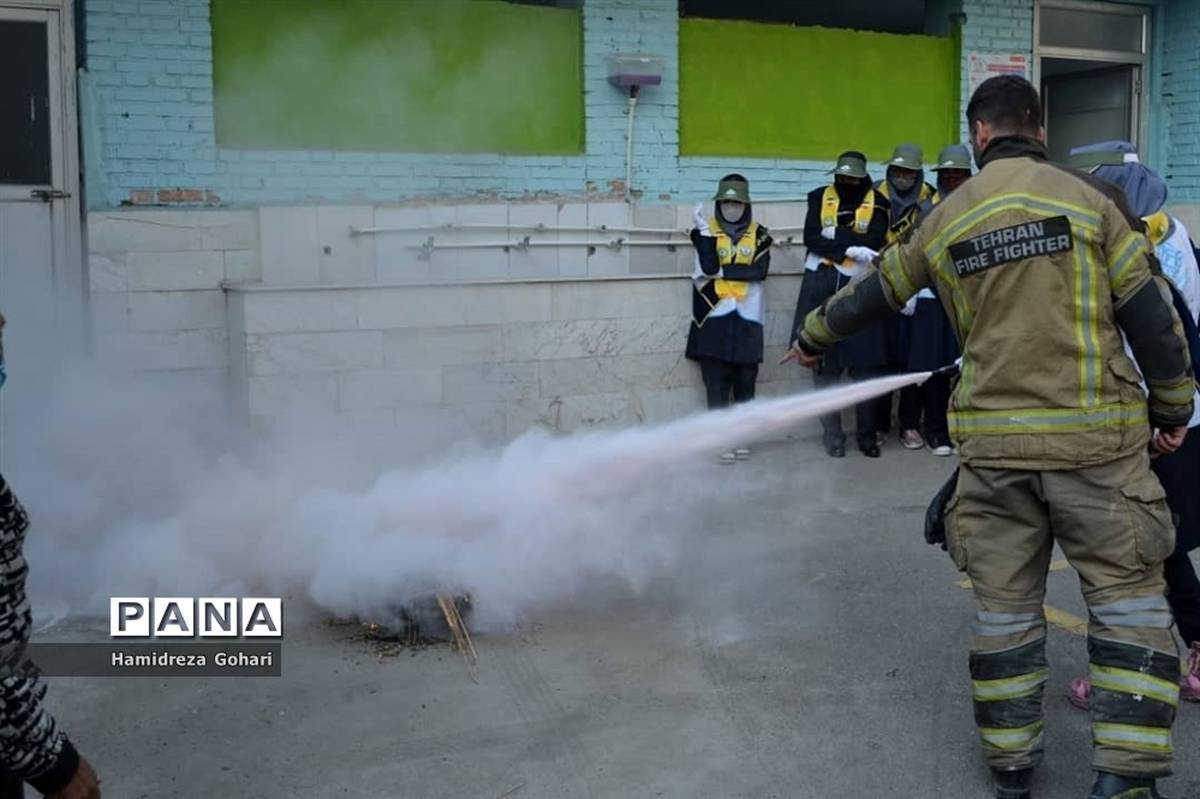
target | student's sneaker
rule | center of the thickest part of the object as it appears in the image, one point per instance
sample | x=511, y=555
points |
x=1189, y=683
x=911, y=439
x=1079, y=693
x=728, y=458
x=742, y=453
x=941, y=447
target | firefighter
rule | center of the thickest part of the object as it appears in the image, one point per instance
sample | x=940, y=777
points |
x=1041, y=269
x=846, y=225
x=926, y=339
x=733, y=255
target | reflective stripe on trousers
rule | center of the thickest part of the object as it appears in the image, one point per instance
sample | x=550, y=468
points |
x=1135, y=690
x=1007, y=687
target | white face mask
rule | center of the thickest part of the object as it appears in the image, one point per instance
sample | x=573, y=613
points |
x=732, y=210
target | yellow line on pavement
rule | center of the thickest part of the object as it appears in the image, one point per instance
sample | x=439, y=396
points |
x=1067, y=621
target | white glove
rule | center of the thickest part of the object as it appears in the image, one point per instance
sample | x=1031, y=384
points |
x=862, y=254
x=701, y=220
x=829, y=232
x=910, y=307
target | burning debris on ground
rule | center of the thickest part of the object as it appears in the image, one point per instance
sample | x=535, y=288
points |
x=421, y=621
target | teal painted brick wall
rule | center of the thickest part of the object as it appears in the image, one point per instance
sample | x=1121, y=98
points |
x=150, y=65
x=994, y=26
x=150, y=68
x=1180, y=84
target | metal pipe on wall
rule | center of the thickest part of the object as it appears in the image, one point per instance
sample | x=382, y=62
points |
x=633, y=94
x=450, y=226
x=430, y=245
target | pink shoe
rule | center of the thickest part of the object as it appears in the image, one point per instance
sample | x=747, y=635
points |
x=1189, y=683
x=1079, y=692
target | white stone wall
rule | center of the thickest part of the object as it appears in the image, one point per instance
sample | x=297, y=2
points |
x=156, y=277
x=484, y=360
x=1189, y=214
x=293, y=315
x=311, y=245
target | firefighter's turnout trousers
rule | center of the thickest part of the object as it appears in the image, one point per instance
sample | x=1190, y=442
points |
x=1113, y=524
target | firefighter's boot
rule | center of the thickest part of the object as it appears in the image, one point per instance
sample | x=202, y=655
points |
x=1114, y=786
x=1013, y=784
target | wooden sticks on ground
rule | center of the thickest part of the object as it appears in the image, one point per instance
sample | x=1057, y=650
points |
x=458, y=631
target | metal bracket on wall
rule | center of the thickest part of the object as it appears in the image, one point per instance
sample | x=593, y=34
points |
x=46, y=195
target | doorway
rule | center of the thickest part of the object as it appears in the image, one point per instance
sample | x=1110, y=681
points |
x=41, y=269
x=1091, y=59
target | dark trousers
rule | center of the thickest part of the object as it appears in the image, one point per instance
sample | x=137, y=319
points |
x=11, y=787
x=931, y=400
x=883, y=413
x=1179, y=474
x=721, y=379
x=865, y=413
x=1183, y=592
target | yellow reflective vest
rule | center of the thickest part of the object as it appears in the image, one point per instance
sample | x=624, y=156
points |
x=729, y=252
x=862, y=214
x=1157, y=227
x=928, y=194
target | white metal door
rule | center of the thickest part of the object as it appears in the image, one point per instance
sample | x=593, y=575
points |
x=1088, y=107
x=1088, y=38
x=41, y=276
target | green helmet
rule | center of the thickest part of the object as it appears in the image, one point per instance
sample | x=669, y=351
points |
x=907, y=156
x=733, y=187
x=852, y=164
x=955, y=156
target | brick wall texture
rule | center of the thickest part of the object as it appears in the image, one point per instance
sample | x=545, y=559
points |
x=150, y=64
x=1181, y=97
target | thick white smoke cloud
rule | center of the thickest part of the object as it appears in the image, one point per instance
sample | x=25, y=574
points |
x=140, y=490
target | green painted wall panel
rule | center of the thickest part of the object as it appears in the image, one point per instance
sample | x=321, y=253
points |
x=777, y=91
x=398, y=75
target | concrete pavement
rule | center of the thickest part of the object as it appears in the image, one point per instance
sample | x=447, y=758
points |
x=807, y=644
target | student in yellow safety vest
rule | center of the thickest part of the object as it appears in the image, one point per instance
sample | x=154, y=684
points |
x=905, y=188
x=927, y=340
x=846, y=225
x=733, y=255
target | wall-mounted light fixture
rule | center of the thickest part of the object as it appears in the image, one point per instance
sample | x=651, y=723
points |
x=632, y=71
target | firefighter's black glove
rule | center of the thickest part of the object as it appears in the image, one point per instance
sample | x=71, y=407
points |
x=935, y=516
